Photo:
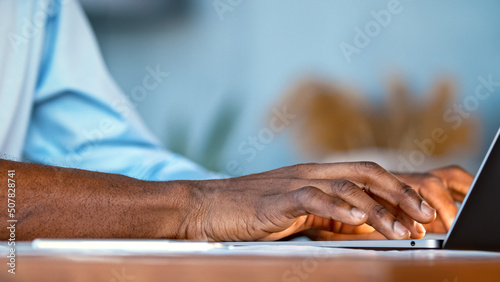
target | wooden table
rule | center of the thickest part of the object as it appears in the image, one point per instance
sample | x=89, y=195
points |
x=220, y=268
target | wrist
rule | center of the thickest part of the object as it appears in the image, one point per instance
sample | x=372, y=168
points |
x=173, y=203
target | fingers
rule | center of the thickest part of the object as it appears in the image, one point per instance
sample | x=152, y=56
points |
x=378, y=215
x=320, y=223
x=437, y=195
x=385, y=185
x=367, y=175
x=436, y=226
x=311, y=200
x=342, y=200
x=417, y=230
x=342, y=228
x=456, y=179
x=374, y=179
x=441, y=188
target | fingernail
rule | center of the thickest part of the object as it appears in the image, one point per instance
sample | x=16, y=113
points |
x=420, y=228
x=426, y=209
x=401, y=230
x=357, y=213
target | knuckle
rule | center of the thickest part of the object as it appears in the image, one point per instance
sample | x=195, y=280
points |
x=408, y=194
x=370, y=167
x=303, y=169
x=456, y=168
x=379, y=211
x=337, y=203
x=344, y=187
x=409, y=191
x=295, y=169
x=306, y=193
x=432, y=181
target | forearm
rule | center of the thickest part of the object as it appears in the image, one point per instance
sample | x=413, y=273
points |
x=54, y=202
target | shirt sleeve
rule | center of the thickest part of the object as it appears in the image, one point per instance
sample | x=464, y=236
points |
x=81, y=119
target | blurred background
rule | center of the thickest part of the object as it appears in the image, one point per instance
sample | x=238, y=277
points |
x=255, y=85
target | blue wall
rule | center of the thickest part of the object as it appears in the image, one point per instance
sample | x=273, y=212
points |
x=227, y=74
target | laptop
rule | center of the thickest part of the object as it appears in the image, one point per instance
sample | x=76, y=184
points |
x=476, y=226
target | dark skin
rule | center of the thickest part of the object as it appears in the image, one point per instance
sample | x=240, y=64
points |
x=327, y=201
x=441, y=188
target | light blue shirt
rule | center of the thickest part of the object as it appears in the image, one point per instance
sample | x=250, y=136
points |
x=59, y=105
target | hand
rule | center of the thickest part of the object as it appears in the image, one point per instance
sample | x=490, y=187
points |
x=337, y=197
x=441, y=188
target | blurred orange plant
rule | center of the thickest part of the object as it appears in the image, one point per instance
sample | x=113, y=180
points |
x=334, y=118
